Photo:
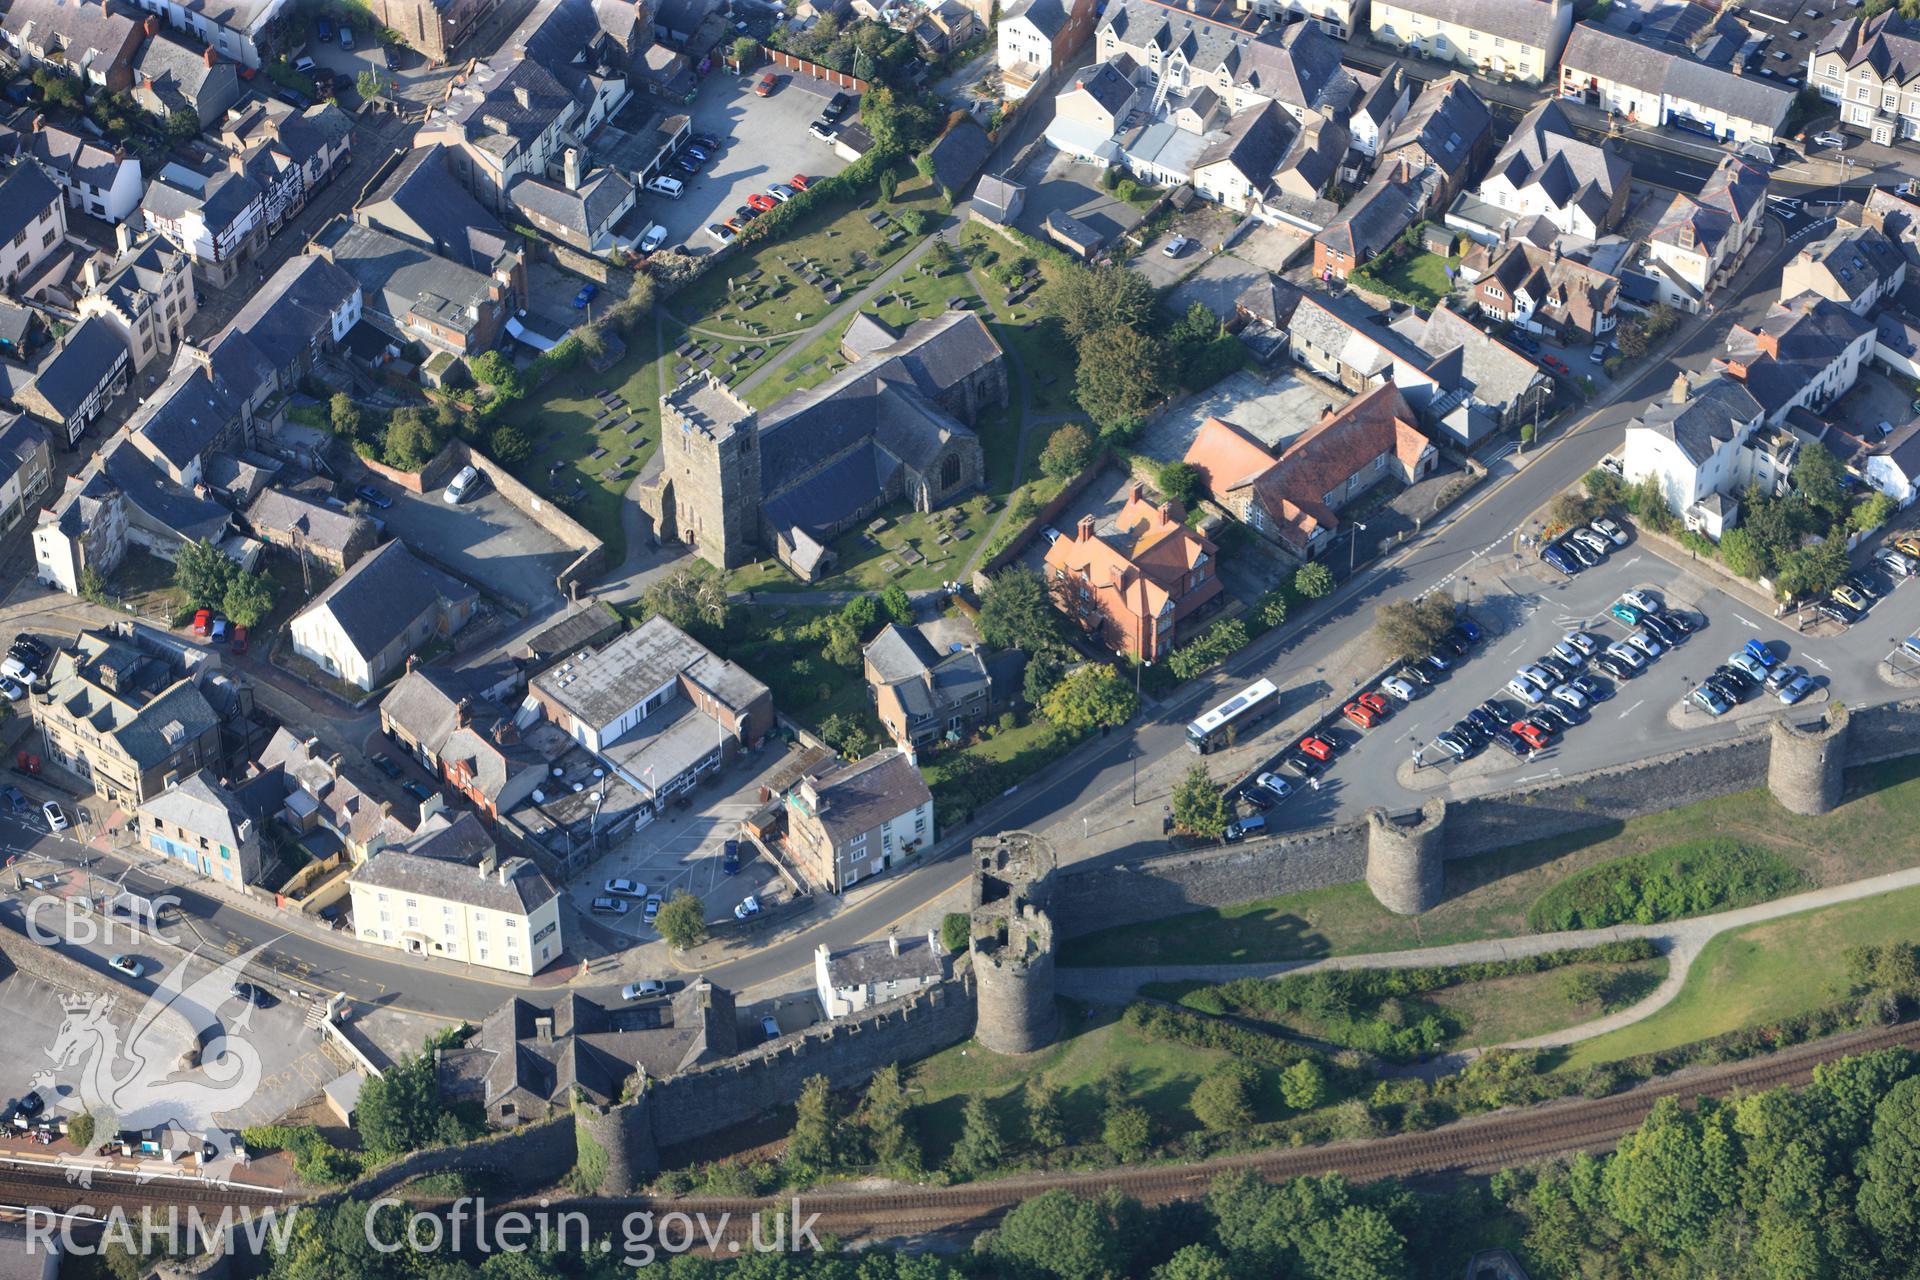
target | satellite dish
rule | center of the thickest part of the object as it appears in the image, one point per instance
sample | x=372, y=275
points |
x=539, y=797
x=596, y=797
x=578, y=787
x=599, y=773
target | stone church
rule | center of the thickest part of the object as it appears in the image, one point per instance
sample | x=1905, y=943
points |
x=895, y=425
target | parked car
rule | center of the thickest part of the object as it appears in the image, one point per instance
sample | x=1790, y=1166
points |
x=769, y=1028
x=324, y=30
x=609, y=906
x=1277, y=785
x=419, y=791
x=304, y=65
x=1527, y=693
x=1554, y=555
x=652, y=908
x=1530, y=733
x=1592, y=541
x=670, y=187
x=1525, y=342
x=722, y=232
x=749, y=907
x=1584, y=554
x=822, y=129
x=252, y=992
x=799, y=181
x=346, y=36
x=1586, y=642
x=11, y=689
x=1594, y=690
x=1554, y=363
x=1621, y=651
x=686, y=164
x=656, y=235
x=1399, y=688
x=1319, y=748
x=645, y=989
x=730, y=858
x=1565, y=714
x=1365, y=717
x=1656, y=626
x=1177, y=246
x=1783, y=673
x=372, y=497
x=1567, y=694
x=202, y=621
x=1468, y=628
x=1830, y=139
x=1760, y=652
x=1865, y=583
x=129, y=965
x=1895, y=561
x=1746, y=666
x=1568, y=654
x=1646, y=644
x=1612, y=531
x=765, y=84
x=1640, y=600
x=1624, y=612
x=1455, y=746
x=837, y=105
x=16, y=799
x=625, y=889
x=219, y=632
x=586, y=295
x=56, y=816
x=384, y=763
x=1599, y=353
x=1847, y=595
x=462, y=486
x=1795, y=689
x=1679, y=623
x=781, y=192
x=1907, y=544
x=1710, y=700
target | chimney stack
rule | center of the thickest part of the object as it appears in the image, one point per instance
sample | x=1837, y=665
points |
x=1679, y=392
x=123, y=237
x=1086, y=528
x=570, y=165
x=933, y=942
x=1138, y=492
x=91, y=272
x=543, y=1029
x=893, y=944
x=522, y=97
x=463, y=713
x=1169, y=512
x=213, y=59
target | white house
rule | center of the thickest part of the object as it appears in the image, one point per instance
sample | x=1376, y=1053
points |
x=33, y=221
x=450, y=896
x=1894, y=466
x=1693, y=444
x=1699, y=90
x=363, y=626
x=858, y=818
x=1379, y=110
x=1802, y=355
x=103, y=181
x=1855, y=264
x=1036, y=38
x=1501, y=39
x=1545, y=171
x=869, y=973
x=1699, y=240
x=235, y=28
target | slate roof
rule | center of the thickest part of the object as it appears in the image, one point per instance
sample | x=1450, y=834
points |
x=200, y=805
x=1888, y=42
x=421, y=200
x=1524, y=22
x=317, y=524
x=1733, y=190
x=1110, y=84
x=1253, y=144
x=1543, y=153
x=586, y=210
x=294, y=307
x=365, y=601
x=516, y=886
x=25, y=194
x=83, y=362
x=1711, y=416
x=178, y=71
x=1856, y=259
x=1447, y=121
x=1050, y=17
x=225, y=197
x=855, y=796
x=1464, y=355
x=80, y=25
x=1299, y=64
x=1793, y=346
x=959, y=153
x=79, y=157
x=925, y=682
x=1370, y=221
x=149, y=730
x=1663, y=68
x=182, y=418
x=426, y=704
x=869, y=963
x=165, y=503
x=1271, y=299
x=20, y=438
x=398, y=278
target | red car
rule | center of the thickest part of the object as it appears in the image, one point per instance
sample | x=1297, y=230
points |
x=203, y=622
x=1554, y=363
x=1364, y=716
x=1376, y=702
x=1319, y=748
x=762, y=203
x=798, y=182
x=239, y=639
x=765, y=85
x=1530, y=733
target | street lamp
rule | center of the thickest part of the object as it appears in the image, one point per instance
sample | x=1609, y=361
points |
x=1133, y=745
x=1353, y=542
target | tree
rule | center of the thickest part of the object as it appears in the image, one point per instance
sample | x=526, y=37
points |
x=1091, y=697
x=372, y=86
x=80, y=1130
x=1632, y=339
x=1199, y=808
x=889, y=183
x=1816, y=480
x=509, y=445
x=344, y=416
x=1813, y=570
x=1223, y=1100
x=813, y=1147
x=689, y=599
x=249, y=598
x=861, y=612
x=899, y=121
x=93, y=587
x=1069, y=450
x=1412, y=629
x=1604, y=487
x=896, y=604
x=1044, y=670
x=979, y=1150
x=1089, y=299
x=1015, y=612
x=1123, y=374
x=1669, y=1180
x=843, y=643
x=1041, y=1101
x=1740, y=554
x=1058, y=1235
x=682, y=920
x=1127, y=1132
x=57, y=89
x=182, y=124
x=1303, y=1086
x=202, y=571
x=1313, y=580
x=1203, y=351
x=411, y=440
x=401, y=1111
x=1871, y=512
x=491, y=369
x=1570, y=509
x=1358, y=1243
x=1194, y=1262
x=1889, y=1201
x=847, y=735
x=746, y=52
x=1178, y=481
x=885, y=1114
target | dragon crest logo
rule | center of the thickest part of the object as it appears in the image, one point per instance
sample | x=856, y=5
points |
x=138, y=1073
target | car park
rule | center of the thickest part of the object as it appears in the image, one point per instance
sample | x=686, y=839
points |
x=1273, y=783
x=129, y=965
x=609, y=906
x=1399, y=688
x=625, y=889
x=1795, y=689
x=1559, y=559
x=645, y=989
x=1524, y=691
x=1710, y=700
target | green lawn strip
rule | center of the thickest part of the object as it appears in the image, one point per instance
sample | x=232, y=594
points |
x=1420, y=275
x=863, y=558
x=1761, y=974
x=1518, y=1008
x=809, y=366
x=1876, y=830
x=1162, y=1077
x=804, y=684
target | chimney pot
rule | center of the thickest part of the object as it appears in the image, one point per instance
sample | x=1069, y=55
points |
x=1086, y=528
x=893, y=944
x=1679, y=392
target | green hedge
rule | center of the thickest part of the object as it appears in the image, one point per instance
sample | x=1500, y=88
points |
x=1181, y=1026
x=1686, y=879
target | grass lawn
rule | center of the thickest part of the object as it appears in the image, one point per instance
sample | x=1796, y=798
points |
x=805, y=685
x=1505, y=1009
x=1420, y=275
x=1877, y=829
x=1762, y=973
x=1162, y=1079
x=864, y=558
x=144, y=583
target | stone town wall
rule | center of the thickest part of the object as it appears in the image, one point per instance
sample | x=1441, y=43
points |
x=846, y=1052
x=592, y=552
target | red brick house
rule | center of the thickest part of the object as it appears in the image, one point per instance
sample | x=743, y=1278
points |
x=1130, y=586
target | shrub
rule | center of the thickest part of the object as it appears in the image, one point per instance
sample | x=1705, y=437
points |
x=955, y=929
x=1313, y=580
x=1690, y=878
x=1182, y=1026
x=1214, y=645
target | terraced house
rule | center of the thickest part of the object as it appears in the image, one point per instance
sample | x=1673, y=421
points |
x=1871, y=68
x=1701, y=86
x=145, y=292
x=93, y=41
x=1700, y=239
x=1517, y=40
x=1545, y=171
x=201, y=825
x=1241, y=56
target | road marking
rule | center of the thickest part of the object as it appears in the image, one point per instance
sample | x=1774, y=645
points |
x=1630, y=710
x=1633, y=562
x=1816, y=662
x=1518, y=647
x=1742, y=619
x=1537, y=777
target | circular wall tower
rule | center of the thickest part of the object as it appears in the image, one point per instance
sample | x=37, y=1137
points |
x=1406, y=861
x=1012, y=942
x=1806, y=767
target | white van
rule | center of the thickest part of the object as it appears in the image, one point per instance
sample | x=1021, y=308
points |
x=463, y=484
x=665, y=186
x=304, y=65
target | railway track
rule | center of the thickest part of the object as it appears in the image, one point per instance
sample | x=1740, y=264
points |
x=1477, y=1145
x=37, y=1187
